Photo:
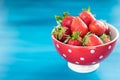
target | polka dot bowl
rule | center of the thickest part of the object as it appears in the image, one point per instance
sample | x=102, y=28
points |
x=84, y=56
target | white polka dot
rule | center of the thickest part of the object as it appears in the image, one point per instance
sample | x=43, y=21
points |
x=101, y=57
x=64, y=55
x=69, y=50
x=82, y=58
x=109, y=47
x=92, y=51
x=76, y=62
x=57, y=46
x=93, y=62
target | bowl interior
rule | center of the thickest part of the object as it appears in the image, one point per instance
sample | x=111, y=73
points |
x=113, y=32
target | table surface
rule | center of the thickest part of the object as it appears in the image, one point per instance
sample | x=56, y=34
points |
x=26, y=48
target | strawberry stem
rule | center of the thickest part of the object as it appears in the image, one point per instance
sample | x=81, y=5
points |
x=58, y=18
x=88, y=10
x=65, y=14
x=67, y=38
x=75, y=35
x=85, y=39
x=59, y=31
x=104, y=37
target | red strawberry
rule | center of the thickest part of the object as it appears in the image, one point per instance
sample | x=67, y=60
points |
x=74, y=42
x=97, y=27
x=66, y=22
x=91, y=40
x=105, y=38
x=87, y=16
x=107, y=29
x=76, y=39
x=61, y=33
x=79, y=26
x=60, y=18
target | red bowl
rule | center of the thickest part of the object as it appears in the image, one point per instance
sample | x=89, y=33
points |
x=87, y=55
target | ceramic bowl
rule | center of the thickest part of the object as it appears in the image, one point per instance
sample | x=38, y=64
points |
x=86, y=59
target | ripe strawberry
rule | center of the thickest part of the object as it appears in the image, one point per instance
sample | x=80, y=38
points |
x=60, y=18
x=91, y=40
x=74, y=42
x=87, y=16
x=75, y=39
x=66, y=22
x=79, y=26
x=97, y=27
x=105, y=38
x=107, y=29
x=61, y=33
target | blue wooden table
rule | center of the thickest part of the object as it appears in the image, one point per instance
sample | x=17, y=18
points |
x=26, y=48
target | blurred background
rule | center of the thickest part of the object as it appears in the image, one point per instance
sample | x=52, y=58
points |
x=26, y=48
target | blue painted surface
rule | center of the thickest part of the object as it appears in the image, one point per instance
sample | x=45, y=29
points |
x=26, y=48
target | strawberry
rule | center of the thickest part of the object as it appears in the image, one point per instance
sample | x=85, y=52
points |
x=66, y=22
x=61, y=33
x=87, y=16
x=97, y=27
x=107, y=29
x=79, y=26
x=105, y=38
x=60, y=18
x=75, y=39
x=91, y=39
x=74, y=42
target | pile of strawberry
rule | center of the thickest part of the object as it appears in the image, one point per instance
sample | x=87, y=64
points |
x=82, y=30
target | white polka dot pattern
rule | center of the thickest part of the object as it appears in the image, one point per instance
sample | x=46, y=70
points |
x=57, y=46
x=82, y=58
x=76, y=62
x=92, y=51
x=64, y=55
x=109, y=47
x=101, y=57
x=69, y=50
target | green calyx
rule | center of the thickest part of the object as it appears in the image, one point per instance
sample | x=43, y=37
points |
x=59, y=31
x=88, y=10
x=65, y=14
x=75, y=35
x=68, y=37
x=60, y=18
x=103, y=37
x=85, y=39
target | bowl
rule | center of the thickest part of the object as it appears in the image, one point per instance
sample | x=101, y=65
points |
x=86, y=59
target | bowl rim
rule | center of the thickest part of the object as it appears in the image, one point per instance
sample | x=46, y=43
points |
x=115, y=39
